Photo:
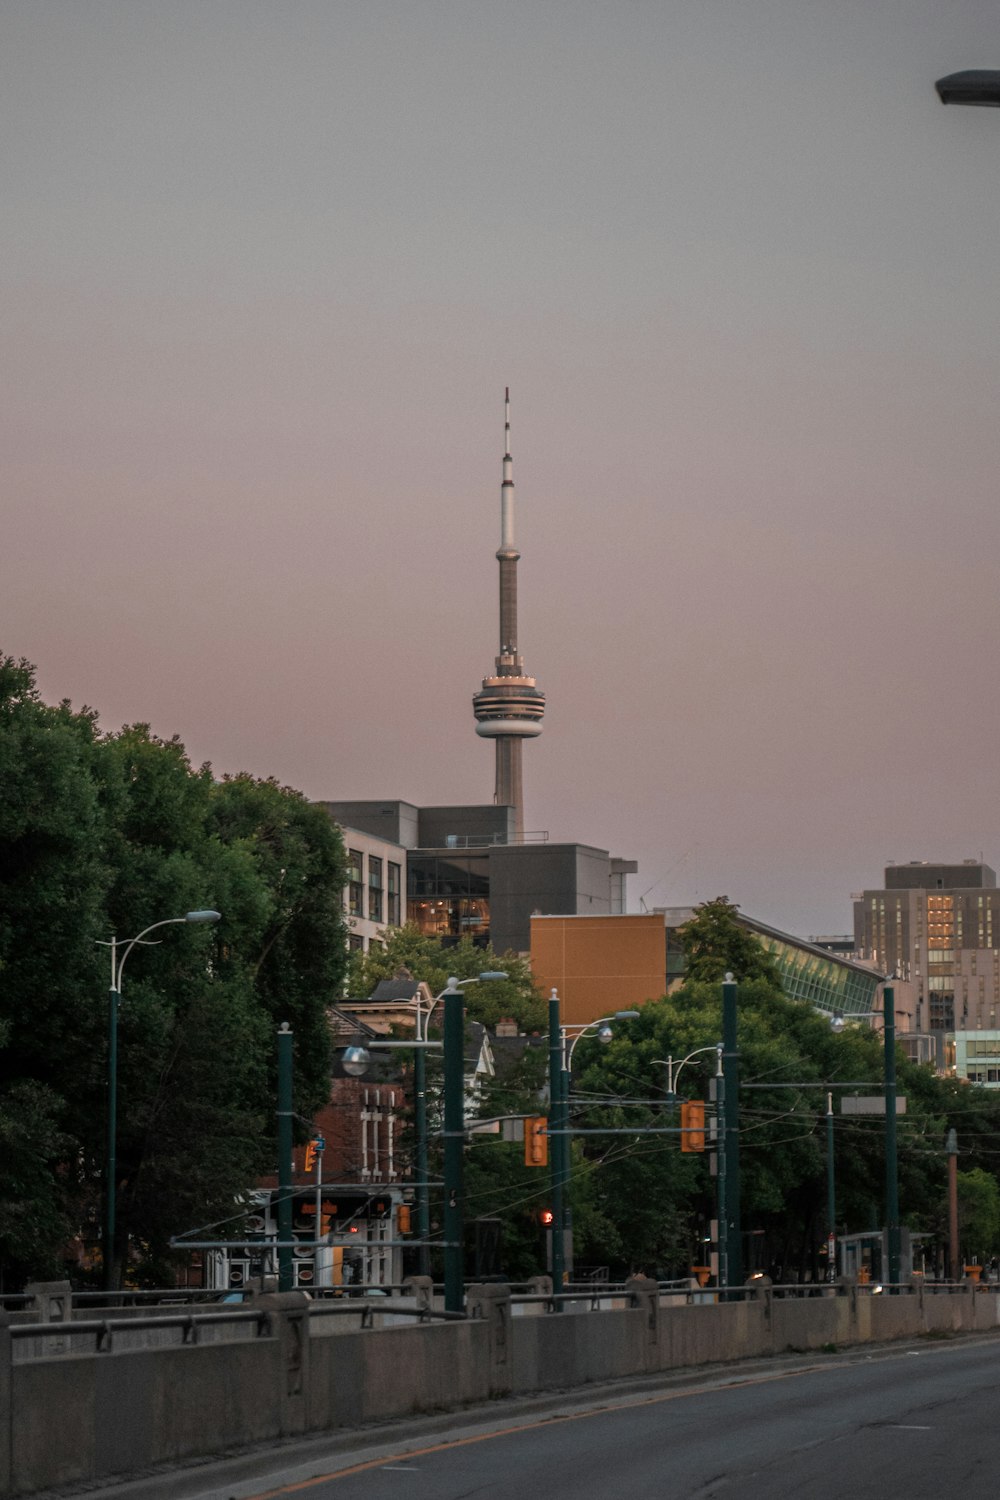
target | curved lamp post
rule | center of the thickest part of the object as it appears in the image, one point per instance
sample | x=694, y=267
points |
x=674, y=1069
x=118, y=960
x=560, y=1073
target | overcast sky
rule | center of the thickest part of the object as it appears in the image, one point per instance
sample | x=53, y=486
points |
x=266, y=269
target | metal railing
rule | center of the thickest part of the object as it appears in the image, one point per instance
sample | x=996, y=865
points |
x=103, y=1330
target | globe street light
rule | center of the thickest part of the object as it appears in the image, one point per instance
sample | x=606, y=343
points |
x=114, y=1000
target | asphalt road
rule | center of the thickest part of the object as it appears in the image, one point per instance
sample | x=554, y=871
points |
x=920, y=1423
x=917, y=1422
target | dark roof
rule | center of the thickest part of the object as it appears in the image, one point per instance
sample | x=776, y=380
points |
x=509, y=1050
x=343, y=1022
x=395, y=989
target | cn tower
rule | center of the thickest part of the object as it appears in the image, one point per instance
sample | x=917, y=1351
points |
x=509, y=706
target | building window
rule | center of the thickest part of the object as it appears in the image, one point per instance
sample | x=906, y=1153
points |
x=355, y=883
x=374, y=889
x=355, y=943
x=395, y=886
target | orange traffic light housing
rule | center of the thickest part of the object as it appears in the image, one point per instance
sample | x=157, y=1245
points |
x=536, y=1142
x=692, y=1125
x=403, y=1218
x=310, y=1160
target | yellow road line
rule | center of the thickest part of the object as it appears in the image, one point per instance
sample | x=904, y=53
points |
x=499, y=1432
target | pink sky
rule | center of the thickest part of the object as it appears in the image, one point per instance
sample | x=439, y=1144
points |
x=266, y=270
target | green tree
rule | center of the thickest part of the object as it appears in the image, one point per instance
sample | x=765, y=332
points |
x=641, y=1188
x=103, y=834
x=426, y=959
x=715, y=943
x=978, y=1213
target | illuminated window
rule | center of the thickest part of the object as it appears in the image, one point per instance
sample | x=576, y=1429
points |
x=355, y=883
x=374, y=889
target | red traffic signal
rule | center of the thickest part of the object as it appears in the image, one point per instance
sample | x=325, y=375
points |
x=546, y=1217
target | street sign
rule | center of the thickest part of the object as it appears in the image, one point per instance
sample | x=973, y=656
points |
x=869, y=1104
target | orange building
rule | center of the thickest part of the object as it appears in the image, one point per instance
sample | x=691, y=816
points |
x=600, y=964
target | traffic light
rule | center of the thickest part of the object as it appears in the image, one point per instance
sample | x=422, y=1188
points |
x=403, y=1218
x=692, y=1125
x=536, y=1142
x=546, y=1218
x=310, y=1160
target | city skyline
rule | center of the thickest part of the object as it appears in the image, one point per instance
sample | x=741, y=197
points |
x=265, y=273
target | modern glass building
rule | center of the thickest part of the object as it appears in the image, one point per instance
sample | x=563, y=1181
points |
x=601, y=963
x=826, y=980
x=829, y=981
x=977, y=1057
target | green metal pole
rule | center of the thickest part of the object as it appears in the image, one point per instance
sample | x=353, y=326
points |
x=558, y=1143
x=111, y=1161
x=733, y=1236
x=285, y=1262
x=565, y=1160
x=831, y=1200
x=454, y=1146
x=423, y=1200
x=722, y=1204
x=891, y=1157
x=952, y=1149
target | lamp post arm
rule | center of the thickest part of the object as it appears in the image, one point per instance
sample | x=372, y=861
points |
x=674, y=1071
x=601, y=1021
x=116, y=977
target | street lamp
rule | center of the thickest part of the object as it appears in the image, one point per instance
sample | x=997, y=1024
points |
x=560, y=1073
x=454, y=1136
x=355, y=1061
x=114, y=1000
x=974, y=86
x=674, y=1073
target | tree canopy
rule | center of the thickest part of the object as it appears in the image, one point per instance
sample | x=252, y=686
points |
x=427, y=959
x=106, y=833
x=639, y=1203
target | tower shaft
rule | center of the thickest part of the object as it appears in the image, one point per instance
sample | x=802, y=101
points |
x=508, y=788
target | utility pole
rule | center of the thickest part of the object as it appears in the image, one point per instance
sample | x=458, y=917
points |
x=422, y=1191
x=831, y=1197
x=285, y=1272
x=111, y=1158
x=558, y=1145
x=731, y=1234
x=953, y=1250
x=891, y=1161
x=454, y=1147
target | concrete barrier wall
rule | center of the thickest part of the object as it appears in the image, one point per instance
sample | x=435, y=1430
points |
x=82, y=1416
x=78, y=1418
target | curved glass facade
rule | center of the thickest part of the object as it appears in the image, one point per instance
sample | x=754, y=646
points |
x=827, y=982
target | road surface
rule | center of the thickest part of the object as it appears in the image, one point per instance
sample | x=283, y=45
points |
x=919, y=1422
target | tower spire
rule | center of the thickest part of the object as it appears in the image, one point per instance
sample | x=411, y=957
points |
x=509, y=706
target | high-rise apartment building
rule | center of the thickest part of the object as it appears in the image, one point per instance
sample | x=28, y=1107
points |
x=936, y=927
